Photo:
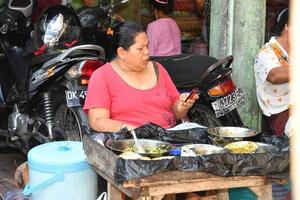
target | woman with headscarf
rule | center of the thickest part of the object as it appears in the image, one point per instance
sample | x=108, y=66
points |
x=163, y=33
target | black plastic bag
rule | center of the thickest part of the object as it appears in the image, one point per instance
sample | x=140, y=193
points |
x=155, y=132
x=133, y=169
x=270, y=164
x=264, y=164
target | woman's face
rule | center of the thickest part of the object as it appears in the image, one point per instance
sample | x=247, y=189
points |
x=137, y=55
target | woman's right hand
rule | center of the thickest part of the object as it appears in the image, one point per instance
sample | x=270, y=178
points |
x=99, y=120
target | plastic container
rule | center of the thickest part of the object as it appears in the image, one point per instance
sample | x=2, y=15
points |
x=58, y=170
x=175, y=152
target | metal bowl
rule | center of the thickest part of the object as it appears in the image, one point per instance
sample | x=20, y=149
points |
x=204, y=149
x=121, y=145
x=231, y=132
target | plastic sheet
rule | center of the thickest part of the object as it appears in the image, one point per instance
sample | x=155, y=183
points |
x=270, y=164
x=153, y=131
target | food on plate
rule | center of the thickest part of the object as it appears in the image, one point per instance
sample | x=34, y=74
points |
x=242, y=147
x=152, y=148
x=133, y=156
x=149, y=149
x=130, y=155
x=145, y=158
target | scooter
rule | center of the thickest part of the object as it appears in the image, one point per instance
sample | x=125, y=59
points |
x=219, y=97
x=41, y=95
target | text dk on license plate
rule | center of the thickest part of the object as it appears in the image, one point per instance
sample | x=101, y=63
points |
x=228, y=103
x=75, y=97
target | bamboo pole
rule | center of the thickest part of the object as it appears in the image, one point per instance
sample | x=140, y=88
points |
x=295, y=96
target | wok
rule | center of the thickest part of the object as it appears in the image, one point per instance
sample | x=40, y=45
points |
x=231, y=132
x=120, y=146
x=226, y=134
x=204, y=149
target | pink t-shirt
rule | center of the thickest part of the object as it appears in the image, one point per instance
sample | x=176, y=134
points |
x=133, y=106
x=164, y=37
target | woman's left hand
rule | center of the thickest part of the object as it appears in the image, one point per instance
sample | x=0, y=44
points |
x=186, y=105
x=182, y=106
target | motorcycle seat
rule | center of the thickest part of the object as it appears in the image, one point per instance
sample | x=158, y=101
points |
x=41, y=59
x=185, y=69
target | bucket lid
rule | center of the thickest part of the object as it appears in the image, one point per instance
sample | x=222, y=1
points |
x=62, y=156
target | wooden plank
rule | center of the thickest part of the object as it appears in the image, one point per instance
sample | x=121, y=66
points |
x=202, y=185
x=263, y=192
x=150, y=198
x=223, y=195
x=170, y=197
x=180, y=177
x=113, y=193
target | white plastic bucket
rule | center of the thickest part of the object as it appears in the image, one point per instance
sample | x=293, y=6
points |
x=58, y=170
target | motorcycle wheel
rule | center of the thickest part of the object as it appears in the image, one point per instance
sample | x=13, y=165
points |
x=202, y=115
x=70, y=121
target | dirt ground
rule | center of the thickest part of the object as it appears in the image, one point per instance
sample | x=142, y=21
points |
x=10, y=159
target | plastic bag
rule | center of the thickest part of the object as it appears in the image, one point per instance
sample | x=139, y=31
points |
x=103, y=196
x=270, y=164
x=153, y=131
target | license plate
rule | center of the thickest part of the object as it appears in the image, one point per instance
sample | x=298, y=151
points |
x=75, y=97
x=228, y=103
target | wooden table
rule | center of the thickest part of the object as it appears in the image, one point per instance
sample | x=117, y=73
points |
x=166, y=184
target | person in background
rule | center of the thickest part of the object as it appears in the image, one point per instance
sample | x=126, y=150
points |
x=163, y=33
x=271, y=69
x=131, y=91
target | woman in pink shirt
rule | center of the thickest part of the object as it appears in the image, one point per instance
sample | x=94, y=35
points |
x=131, y=90
x=163, y=34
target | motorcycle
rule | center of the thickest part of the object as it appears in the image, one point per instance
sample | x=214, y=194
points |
x=41, y=94
x=219, y=97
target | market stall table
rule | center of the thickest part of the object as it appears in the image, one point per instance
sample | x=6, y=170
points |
x=166, y=184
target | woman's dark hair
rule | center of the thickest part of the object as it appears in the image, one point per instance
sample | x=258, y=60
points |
x=281, y=20
x=124, y=35
x=164, y=5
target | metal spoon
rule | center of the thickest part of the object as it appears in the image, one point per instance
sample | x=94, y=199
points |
x=214, y=141
x=137, y=144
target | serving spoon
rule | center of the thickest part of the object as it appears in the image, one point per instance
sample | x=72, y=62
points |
x=138, y=145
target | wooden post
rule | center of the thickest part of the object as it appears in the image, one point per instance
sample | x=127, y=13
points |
x=223, y=195
x=263, y=192
x=113, y=193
